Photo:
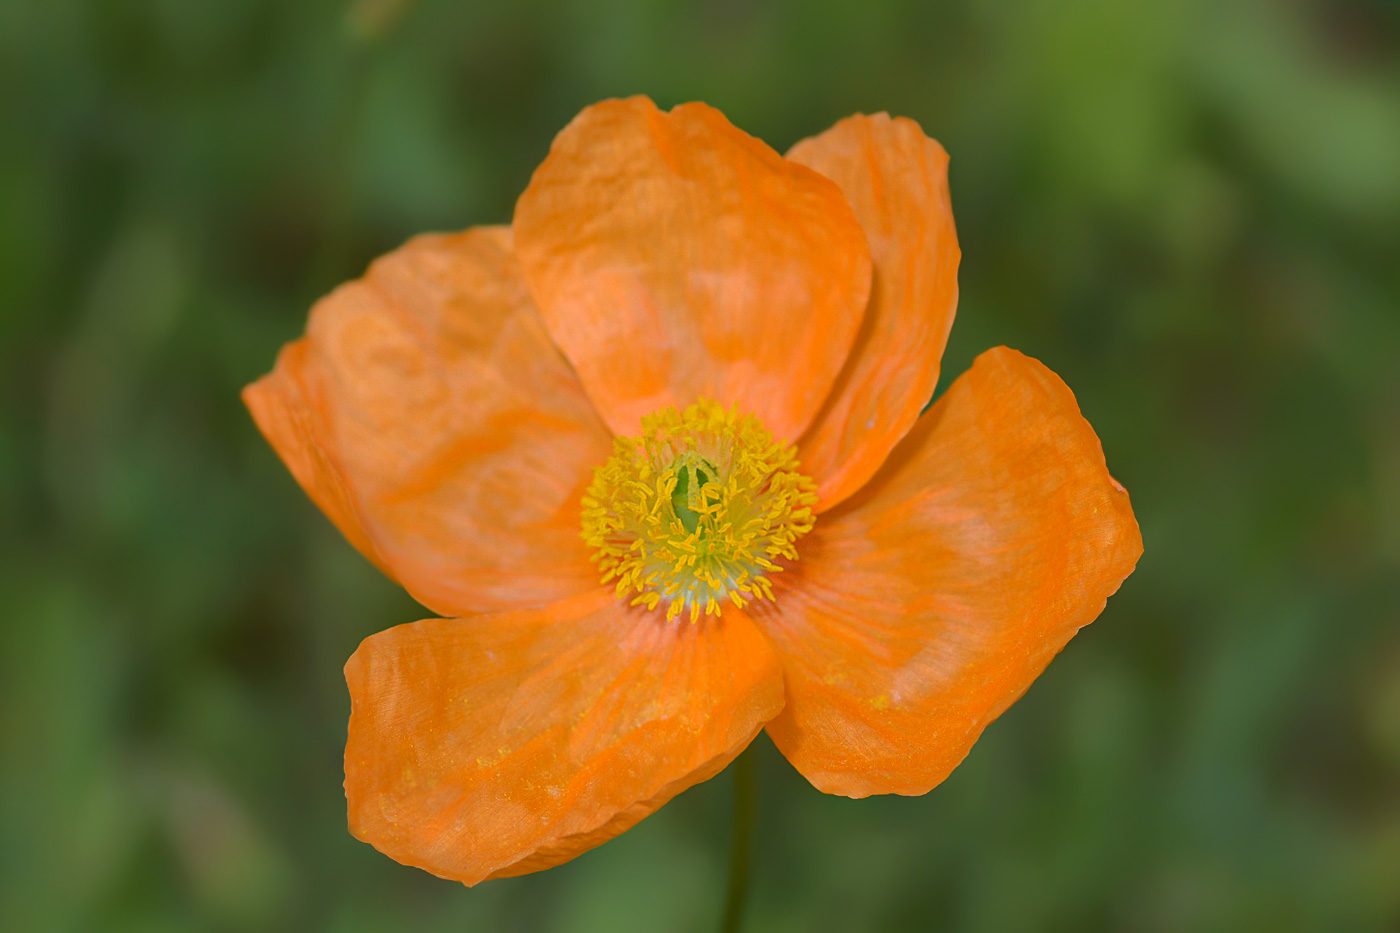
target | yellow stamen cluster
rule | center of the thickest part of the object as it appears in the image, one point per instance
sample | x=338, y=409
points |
x=695, y=509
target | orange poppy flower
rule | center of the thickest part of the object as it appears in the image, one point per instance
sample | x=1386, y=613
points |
x=654, y=453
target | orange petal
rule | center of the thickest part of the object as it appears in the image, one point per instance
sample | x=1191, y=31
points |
x=896, y=179
x=428, y=413
x=505, y=744
x=924, y=606
x=284, y=417
x=675, y=257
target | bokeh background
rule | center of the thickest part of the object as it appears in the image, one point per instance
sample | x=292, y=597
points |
x=1190, y=210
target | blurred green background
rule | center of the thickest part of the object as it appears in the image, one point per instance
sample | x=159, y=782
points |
x=1189, y=210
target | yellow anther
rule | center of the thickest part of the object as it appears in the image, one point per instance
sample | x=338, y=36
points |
x=692, y=510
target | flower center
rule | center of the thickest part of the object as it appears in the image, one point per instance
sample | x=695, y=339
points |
x=695, y=509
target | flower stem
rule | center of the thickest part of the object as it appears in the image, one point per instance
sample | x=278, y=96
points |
x=741, y=846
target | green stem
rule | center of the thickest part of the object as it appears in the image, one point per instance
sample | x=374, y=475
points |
x=741, y=846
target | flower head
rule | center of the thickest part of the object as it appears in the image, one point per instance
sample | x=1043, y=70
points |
x=655, y=454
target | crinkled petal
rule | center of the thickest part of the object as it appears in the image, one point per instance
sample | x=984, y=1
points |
x=674, y=257
x=505, y=744
x=896, y=179
x=924, y=606
x=428, y=414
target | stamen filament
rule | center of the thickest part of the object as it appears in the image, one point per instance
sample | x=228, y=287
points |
x=692, y=510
